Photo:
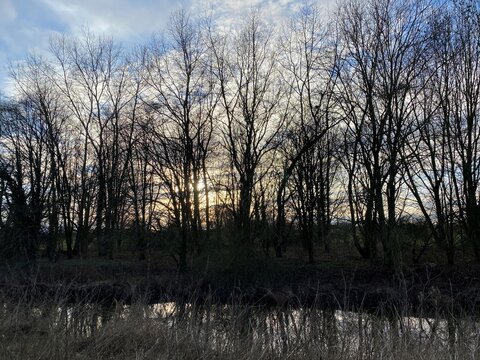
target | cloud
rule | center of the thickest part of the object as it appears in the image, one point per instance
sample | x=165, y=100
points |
x=274, y=11
x=7, y=12
x=123, y=19
x=27, y=25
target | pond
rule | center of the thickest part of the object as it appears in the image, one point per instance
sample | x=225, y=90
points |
x=277, y=331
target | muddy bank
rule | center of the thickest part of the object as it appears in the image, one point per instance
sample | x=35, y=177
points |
x=431, y=289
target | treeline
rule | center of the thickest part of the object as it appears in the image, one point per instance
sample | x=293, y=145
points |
x=242, y=136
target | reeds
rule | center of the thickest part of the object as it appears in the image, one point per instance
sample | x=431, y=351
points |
x=54, y=328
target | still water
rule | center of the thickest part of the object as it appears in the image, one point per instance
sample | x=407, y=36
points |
x=283, y=330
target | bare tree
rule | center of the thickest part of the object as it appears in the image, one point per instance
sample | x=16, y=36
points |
x=183, y=100
x=32, y=79
x=384, y=44
x=459, y=99
x=93, y=76
x=308, y=58
x=251, y=96
x=427, y=156
x=25, y=173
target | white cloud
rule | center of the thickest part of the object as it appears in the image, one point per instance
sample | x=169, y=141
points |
x=231, y=13
x=7, y=12
x=27, y=25
x=119, y=18
x=127, y=19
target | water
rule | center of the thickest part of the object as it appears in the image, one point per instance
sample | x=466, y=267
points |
x=276, y=330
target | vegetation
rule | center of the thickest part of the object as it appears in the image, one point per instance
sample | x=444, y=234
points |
x=208, y=138
x=46, y=330
x=305, y=190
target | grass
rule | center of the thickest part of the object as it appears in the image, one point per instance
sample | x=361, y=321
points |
x=50, y=326
x=46, y=329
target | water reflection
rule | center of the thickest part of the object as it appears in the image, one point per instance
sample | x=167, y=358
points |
x=333, y=330
x=285, y=331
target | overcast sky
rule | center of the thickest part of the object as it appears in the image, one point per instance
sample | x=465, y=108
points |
x=27, y=25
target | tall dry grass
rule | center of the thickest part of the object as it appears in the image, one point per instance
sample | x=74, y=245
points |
x=32, y=328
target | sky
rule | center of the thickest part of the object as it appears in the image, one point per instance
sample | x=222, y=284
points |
x=27, y=25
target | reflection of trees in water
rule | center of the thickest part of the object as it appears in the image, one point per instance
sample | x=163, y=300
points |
x=333, y=332
x=276, y=331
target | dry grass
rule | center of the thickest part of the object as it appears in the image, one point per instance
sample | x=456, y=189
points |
x=55, y=330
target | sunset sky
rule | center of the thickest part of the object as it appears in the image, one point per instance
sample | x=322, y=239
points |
x=27, y=25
